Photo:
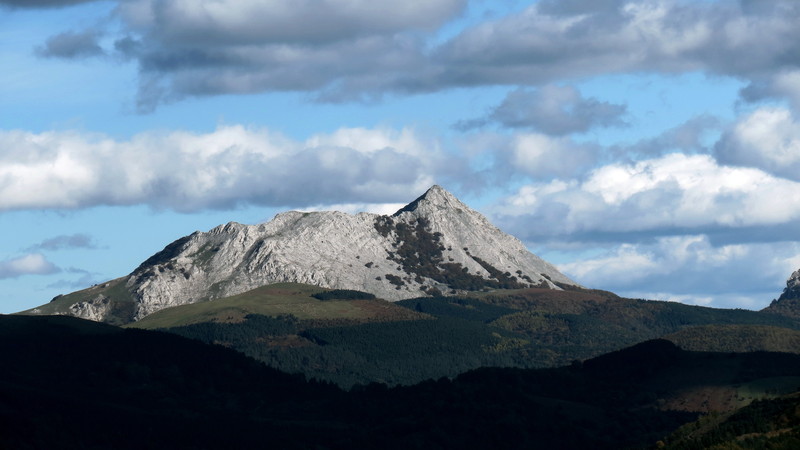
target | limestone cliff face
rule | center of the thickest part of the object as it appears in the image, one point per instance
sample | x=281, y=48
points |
x=434, y=245
x=788, y=303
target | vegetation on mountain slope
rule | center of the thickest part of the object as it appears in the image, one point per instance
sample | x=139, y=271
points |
x=763, y=424
x=351, y=342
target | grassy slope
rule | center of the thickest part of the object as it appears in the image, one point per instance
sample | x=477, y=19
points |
x=122, y=306
x=276, y=300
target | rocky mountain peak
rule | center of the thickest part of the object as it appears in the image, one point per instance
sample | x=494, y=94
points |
x=435, y=245
x=792, y=289
x=788, y=303
x=434, y=199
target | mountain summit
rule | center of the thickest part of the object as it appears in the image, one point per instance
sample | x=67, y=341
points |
x=788, y=303
x=435, y=245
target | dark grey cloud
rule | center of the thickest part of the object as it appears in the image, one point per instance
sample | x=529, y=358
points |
x=551, y=109
x=227, y=23
x=688, y=137
x=554, y=40
x=355, y=70
x=42, y=3
x=65, y=242
x=72, y=45
x=340, y=50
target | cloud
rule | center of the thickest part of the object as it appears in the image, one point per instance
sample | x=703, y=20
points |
x=555, y=40
x=65, y=242
x=672, y=194
x=339, y=49
x=30, y=264
x=543, y=156
x=258, y=22
x=688, y=137
x=551, y=109
x=42, y=3
x=768, y=138
x=778, y=85
x=355, y=208
x=85, y=280
x=72, y=45
x=187, y=171
x=344, y=50
x=690, y=269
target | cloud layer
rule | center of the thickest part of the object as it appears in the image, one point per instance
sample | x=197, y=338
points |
x=356, y=50
x=675, y=192
x=187, y=172
x=690, y=269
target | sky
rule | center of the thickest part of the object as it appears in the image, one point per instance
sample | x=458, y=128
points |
x=646, y=147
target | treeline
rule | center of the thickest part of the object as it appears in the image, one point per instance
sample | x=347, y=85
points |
x=343, y=294
x=764, y=424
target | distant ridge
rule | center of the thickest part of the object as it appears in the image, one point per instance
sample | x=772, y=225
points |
x=435, y=245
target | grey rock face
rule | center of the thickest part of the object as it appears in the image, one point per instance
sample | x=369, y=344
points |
x=792, y=289
x=788, y=304
x=435, y=244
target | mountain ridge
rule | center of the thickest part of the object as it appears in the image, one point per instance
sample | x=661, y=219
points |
x=436, y=244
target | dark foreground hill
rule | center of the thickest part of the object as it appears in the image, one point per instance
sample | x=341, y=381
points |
x=68, y=383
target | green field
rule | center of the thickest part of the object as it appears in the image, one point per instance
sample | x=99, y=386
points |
x=280, y=299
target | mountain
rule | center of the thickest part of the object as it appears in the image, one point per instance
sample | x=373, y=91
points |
x=788, y=303
x=434, y=245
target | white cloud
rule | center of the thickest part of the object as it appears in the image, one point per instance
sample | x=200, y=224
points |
x=690, y=269
x=355, y=208
x=675, y=191
x=30, y=264
x=543, y=156
x=189, y=171
x=768, y=138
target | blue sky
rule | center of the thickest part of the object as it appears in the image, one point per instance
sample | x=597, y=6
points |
x=648, y=147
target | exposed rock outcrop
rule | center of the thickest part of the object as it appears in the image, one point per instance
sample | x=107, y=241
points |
x=788, y=303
